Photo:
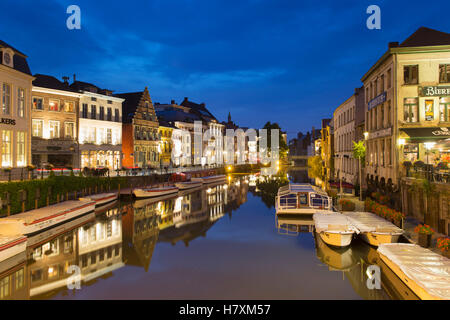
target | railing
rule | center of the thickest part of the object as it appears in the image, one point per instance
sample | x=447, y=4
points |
x=430, y=173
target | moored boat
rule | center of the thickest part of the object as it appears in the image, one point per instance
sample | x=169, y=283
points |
x=41, y=219
x=373, y=229
x=154, y=192
x=188, y=184
x=12, y=245
x=211, y=179
x=426, y=273
x=102, y=199
x=302, y=198
x=334, y=229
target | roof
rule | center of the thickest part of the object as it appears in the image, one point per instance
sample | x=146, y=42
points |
x=84, y=86
x=199, y=109
x=46, y=81
x=426, y=37
x=19, y=59
x=130, y=104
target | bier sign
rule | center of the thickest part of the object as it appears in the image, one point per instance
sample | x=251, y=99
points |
x=434, y=91
x=8, y=121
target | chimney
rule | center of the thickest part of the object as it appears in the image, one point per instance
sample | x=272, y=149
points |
x=185, y=99
x=393, y=45
x=202, y=104
x=172, y=101
x=74, y=77
x=66, y=80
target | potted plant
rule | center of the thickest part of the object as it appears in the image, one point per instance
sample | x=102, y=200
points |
x=444, y=245
x=425, y=232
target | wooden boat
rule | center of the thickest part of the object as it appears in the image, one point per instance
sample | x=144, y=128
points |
x=11, y=246
x=373, y=229
x=38, y=220
x=334, y=229
x=426, y=273
x=211, y=179
x=302, y=198
x=154, y=192
x=188, y=184
x=341, y=259
x=101, y=199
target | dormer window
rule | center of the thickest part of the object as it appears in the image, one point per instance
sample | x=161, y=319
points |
x=7, y=57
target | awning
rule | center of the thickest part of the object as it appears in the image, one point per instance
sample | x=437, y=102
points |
x=433, y=133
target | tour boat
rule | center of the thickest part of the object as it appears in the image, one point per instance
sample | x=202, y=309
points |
x=188, y=184
x=41, y=219
x=210, y=179
x=154, y=192
x=373, y=229
x=334, y=229
x=424, y=272
x=302, y=198
x=11, y=245
x=101, y=199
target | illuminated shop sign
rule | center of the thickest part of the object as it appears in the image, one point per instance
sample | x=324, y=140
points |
x=434, y=91
x=377, y=100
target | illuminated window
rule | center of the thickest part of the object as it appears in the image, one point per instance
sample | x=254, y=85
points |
x=21, y=149
x=92, y=135
x=20, y=102
x=6, y=100
x=19, y=276
x=444, y=73
x=53, y=105
x=38, y=103
x=411, y=110
x=53, y=271
x=69, y=130
x=411, y=74
x=69, y=106
x=53, y=129
x=444, y=110
x=37, y=125
x=6, y=148
x=109, y=136
x=4, y=287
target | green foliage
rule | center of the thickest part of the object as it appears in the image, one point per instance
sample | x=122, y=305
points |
x=315, y=167
x=282, y=144
x=359, y=150
x=269, y=189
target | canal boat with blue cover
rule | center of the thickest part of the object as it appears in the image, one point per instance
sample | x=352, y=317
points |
x=302, y=198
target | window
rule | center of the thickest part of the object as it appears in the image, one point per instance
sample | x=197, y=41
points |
x=382, y=83
x=102, y=113
x=20, y=102
x=116, y=115
x=411, y=112
x=6, y=98
x=93, y=112
x=109, y=102
x=109, y=114
x=53, y=129
x=92, y=135
x=389, y=113
x=4, y=287
x=84, y=112
x=444, y=73
x=53, y=105
x=38, y=104
x=444, y=110
x=109, y=136
x=69, y=106
x=93, y=99
x=38, y=126
x=19, y=276
x=389, y=76
x=411, y=74
x=69, y=130
x=6, y=148
x=21, y=149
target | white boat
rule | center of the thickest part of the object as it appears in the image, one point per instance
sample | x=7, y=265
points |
x=154, y=192
x=424, y=272
x=101, y=199
x=373, y=229
x=188, y=184
x=41, y=219
x=334, y=229
x=302, y=198
x=12, y=245
x=210, y=179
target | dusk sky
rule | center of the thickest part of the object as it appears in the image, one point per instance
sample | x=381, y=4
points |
x=291, y=62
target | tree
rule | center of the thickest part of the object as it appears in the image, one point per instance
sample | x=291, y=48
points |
x=283, y=147
x=359, y=152
x=315, y=167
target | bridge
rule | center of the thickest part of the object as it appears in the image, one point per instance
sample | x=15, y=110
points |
x=296, y=157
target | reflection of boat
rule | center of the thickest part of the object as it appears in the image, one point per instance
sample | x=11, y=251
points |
x=11, y=246
x=334, y=229
x=341, y=259
x=38, y=220
x=188, y=184
x=154, y=192
x=101, y=199
x=210, y=179
x=302, y=198
x=144, y=202
x=426, y=273
x=373, y=229
x=293, y=224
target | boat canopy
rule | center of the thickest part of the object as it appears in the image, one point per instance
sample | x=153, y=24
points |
x=335, y=222
x=369, y=222
x=300, y=187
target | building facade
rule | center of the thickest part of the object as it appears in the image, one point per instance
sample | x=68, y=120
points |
x=141, y=140
x=99, y=127
x=15, y=122
x=54, y=128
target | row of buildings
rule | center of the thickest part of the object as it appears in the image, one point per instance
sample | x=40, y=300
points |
x=47, y=121
x=402, y=113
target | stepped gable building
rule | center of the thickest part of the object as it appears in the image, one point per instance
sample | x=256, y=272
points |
x=15, y=114
x=141, y=140
x=54, y=122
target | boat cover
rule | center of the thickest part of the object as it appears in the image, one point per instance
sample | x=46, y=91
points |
x=333, y=221
x=429, y=270
x=369, y=222
x=4, y=240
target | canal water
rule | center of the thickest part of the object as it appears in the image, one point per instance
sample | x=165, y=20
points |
x=216, y=242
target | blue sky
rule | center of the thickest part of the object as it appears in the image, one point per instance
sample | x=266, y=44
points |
x=291, y=62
